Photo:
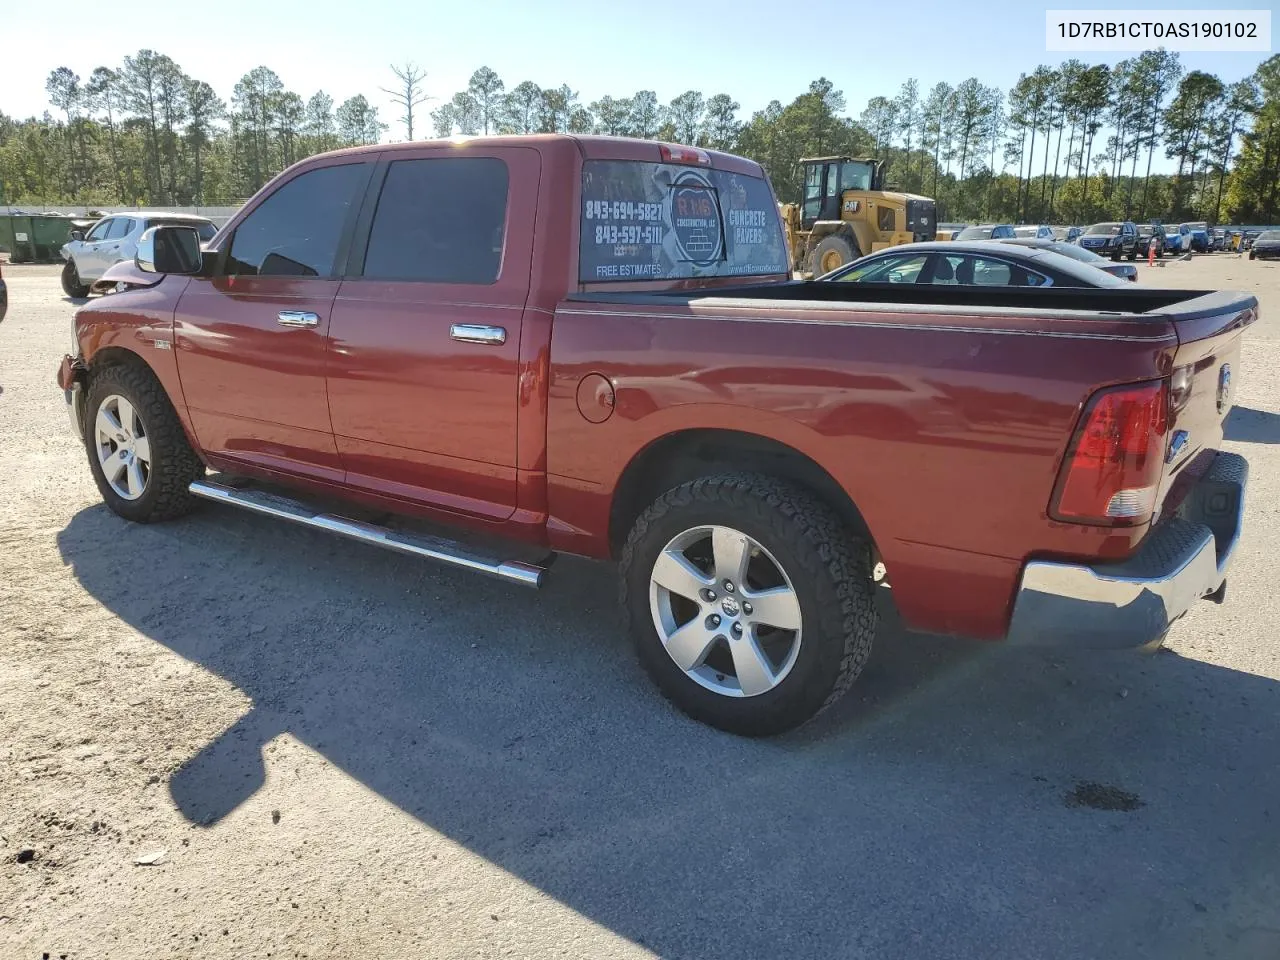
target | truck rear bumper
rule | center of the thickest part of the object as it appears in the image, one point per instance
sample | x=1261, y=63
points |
x=1185, y=558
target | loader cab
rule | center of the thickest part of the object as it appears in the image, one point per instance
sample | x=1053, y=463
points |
x=825, y=181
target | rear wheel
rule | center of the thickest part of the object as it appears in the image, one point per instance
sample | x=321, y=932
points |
x=72, y=286
x=138, y=452
x=832, y=253
x=751, y=605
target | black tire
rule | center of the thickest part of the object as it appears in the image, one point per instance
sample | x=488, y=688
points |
x=1252, y=255
x=828, y=566
x=173, y=463
x=71, y=283
x=830, y=246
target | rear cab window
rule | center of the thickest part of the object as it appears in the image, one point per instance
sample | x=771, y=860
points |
x=659, y=221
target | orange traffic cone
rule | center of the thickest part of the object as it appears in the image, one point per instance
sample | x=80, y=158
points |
x=1151, y=253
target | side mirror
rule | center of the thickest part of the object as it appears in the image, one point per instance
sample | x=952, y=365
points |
x=77, y=234
x=169, y=250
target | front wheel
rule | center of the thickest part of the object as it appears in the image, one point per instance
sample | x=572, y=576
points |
x=831, y=253
x=72, y=286
x=138, y=452
x=751, y=605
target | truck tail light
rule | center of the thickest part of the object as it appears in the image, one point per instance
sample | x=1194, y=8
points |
x=1113, y=466
x=691, y=155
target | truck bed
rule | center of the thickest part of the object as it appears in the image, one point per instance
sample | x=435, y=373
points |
x=946, y=412
x=1169, y=304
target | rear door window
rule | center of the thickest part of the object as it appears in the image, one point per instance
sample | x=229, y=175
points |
x=982, y=271
x=296, y=231
x=440, y=220
x=659, y=221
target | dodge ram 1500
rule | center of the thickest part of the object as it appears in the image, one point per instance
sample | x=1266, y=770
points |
x=594, y=346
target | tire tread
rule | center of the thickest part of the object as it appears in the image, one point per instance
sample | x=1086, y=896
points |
x=174, y=464
x=835, y=562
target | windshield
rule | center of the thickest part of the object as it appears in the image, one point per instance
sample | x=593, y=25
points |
x=855, y=175
x=203, y=228
x=1078, y=253
x=1104, y=230
x=1198, y=227
x=661, y=221
x=1086, y=273
x=975, y=233
x=1025, y=231
x=1271, y=236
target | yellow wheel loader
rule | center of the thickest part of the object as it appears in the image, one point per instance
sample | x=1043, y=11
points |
x=846, y=213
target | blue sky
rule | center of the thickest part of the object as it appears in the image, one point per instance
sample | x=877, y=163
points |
x=750, y=49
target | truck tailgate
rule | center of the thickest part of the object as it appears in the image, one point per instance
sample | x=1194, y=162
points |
x=1203, y=384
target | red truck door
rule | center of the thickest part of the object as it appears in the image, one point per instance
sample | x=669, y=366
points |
x=252, y=339
x=423, y=370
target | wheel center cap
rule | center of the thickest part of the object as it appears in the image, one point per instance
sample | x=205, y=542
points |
x=730, y=606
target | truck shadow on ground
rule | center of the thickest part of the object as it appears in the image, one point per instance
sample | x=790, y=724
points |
x=1252, y=426
x=942, y=809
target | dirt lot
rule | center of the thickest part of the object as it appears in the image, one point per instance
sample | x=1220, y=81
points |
x=225, y=737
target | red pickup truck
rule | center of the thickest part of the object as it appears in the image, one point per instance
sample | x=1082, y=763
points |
x=594, y=346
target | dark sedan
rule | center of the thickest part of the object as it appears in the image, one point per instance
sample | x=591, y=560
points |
x=974, y=263
x=1266, y=247
x=1125, y=271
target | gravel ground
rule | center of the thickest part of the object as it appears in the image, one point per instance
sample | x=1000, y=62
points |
x=227, y=737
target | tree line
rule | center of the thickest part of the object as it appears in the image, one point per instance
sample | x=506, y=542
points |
x=1073, y=143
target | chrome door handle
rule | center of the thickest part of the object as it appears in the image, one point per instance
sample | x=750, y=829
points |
x=475, y=333
x=297, y=318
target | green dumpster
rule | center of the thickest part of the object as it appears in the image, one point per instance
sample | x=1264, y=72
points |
x=33, y=237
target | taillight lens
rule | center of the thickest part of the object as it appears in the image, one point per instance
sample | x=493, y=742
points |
x=1112, y=470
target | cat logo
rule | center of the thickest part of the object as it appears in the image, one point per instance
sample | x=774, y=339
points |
x=852, y=206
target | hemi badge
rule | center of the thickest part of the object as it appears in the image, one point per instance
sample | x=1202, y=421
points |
x=163, y=345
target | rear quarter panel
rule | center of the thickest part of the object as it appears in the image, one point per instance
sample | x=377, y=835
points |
x=947, y=430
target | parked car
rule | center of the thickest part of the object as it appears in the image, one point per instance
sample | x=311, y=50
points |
x=1217, y=240
x=1249, y=237
x=1000, y=263
x=1112, y=239
x=1198, y=234
x=1029, y=232
x=113, y=239
x=1266, y=247
x=986, y=231
x=427, y=330
x=1146, y=232
x=1067, y=234
x=1125, y=271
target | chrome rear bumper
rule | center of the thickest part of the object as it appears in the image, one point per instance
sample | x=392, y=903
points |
x=1129, y=604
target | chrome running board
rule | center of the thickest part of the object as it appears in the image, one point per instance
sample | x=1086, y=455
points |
x=414, y=544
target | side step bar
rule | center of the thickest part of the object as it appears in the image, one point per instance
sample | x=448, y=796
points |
x=416, y=545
